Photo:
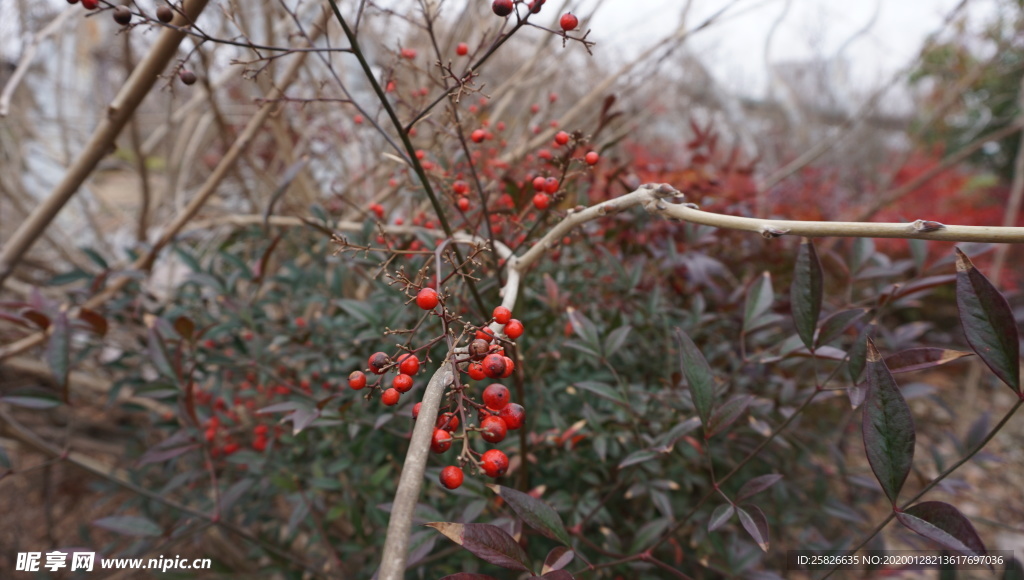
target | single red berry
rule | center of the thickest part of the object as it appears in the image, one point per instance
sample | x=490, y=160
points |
x=536, y=5
x=460, y=187
x=494, y=462
x=568, y=22
x=416, y=409
x=377, y=362
x=493, y=429
x=510, y=367
x=478, y=136
x=463, y=204
x=409, y=364
x=90, y=4
x=561, y=137
x=402, y=383
x=502, y=315
x=545, y=155
x=485, y=333
x=427, y=299
x=260, y=444
x=447, y=421
x=390, y=397
x=164, y=13
x=541, y=201
x=514, y=329
x=550, y=185
x=188, y=77
x=300, y=322
x=502, y=7
x=122, y=15
x=410, y=53
x=441, y=441
x=476, y=371
x=494, y=365
x=356, y=380
x=230, y=447
x=451, y=477
x=514, y=415
x=462, y=49
x=496, y=396
x=592, y=158
x=538, y=183
x=378, y=210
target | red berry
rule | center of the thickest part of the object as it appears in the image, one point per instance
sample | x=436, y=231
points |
x=463, y=204
x=377, y=362
x=541, y=201
x=427, y=299
x=561, y=137
x=485, y=334
x=536, y=5
x=538, y=183
x=390, y=397
x=478, y=136
x=402, y=383
x=568, y=22
x=230, y=447
x=460, y=187
x=378, y=210
x=592, y=158
x=476, y=371
x=514, y=415
x=410, y=53
x=502, y=7
x=494, y=462
x=496, y=396
x=447, y=421
x=451, y=477
x=441, y=441
x=494, y=365
x=493, y=429
x=90, y=4
x=260, y=444
x=416, y=410
x=462, y=49
x=502, y=315
x=188, y=77
x=514, y=329
x=409, y=364
x=510, y=367
x=550, y=185
x=356, y=380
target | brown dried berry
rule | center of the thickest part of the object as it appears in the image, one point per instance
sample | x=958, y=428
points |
x=188, y=77
x=479, y=348
x=165, y=14
x=122, y=15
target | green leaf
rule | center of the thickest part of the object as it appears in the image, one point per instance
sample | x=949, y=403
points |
x=858, y=353
x=888, y=427
x=130, y=525
x=615, y=339
x=759, y=300
x=33, y=400
x=638, y=456
x=157, y=349
x=757, y=485
x=601, y=390
x=988, y=322
x=721, y=516
x=805, y=292
x=727, y=413
x=698, y=375
x=58, y=351
x=488, y=542
x=534, y=513
x=943, y=523
x=836, y=324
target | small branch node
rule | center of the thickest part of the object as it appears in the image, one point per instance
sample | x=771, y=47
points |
x=925, y=226
x=768, y=231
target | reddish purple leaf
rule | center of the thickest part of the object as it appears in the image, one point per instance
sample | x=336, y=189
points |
x=559, y=557
x=755, y=523
x=757, y=485
x=468, y=576
x=726, y=414
x=95, y=320
x=836, y=324
x=720, y=516
x=38, y=318
x=535, y=513
x=888, y=427
x=558, y=575
x=805, y=292
x=488, y=542
x=915, y=359
x=185, y=328
x=698, y=375
x=944, y=524
x=988, y=322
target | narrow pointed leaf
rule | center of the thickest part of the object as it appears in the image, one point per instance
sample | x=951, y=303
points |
x=557, y=575
x=534, y=513
x=944, y=524
x=755, y=523
x=698, y=376
x=759, y=300
x=559, y=557
x=757, y=485
x=988, y=322
x=58, y=351
x=130, y=525
x=915, y=359
x=721, y=516
x=805, y=292
x=94, y=320
x=488, y=542
x=185, y=328
x=727, y=413
x=157, y=349
x=858, y=353
x=888, y=427
x=836, y=324
x=468, y=576
x=638, y=456
x=616, y=339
